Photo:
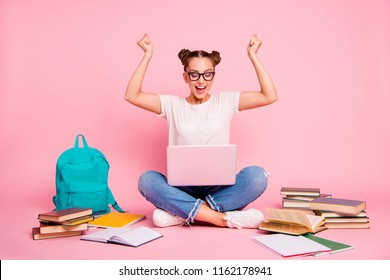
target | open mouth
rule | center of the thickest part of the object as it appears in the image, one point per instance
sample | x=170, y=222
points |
x=200, y=87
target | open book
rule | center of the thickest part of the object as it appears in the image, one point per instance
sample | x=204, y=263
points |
x=124, y=235
x=295, y=222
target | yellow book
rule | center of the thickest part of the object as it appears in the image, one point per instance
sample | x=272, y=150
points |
x=78, y=221
x=116, y=219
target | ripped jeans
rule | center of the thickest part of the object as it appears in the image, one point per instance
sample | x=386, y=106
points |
x=185, y=201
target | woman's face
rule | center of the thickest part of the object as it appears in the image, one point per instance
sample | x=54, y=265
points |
x=199, y=84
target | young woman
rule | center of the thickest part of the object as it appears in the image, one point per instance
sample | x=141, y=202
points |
x=202, y=118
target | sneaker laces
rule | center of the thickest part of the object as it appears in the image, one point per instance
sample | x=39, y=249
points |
x=176, y=220
x=240, y=219
x=232, y=221
x=162, y=218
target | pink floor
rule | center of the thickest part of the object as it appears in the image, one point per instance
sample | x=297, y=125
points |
x=197, y=242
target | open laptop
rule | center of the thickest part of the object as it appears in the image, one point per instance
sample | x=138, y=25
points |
x=205, y=165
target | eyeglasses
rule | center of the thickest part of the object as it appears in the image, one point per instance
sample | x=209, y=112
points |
x=207, y=76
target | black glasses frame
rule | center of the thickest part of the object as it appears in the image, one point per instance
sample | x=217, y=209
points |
x=201, y=75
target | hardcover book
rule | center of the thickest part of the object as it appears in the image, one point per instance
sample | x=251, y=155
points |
x=71, y=222
x=347, y=220
x=37, y=235
x=329, y=214
x=295, y=203
x=305, y=197
x=65, y=214
x=51, y=228
x=77, y=221
x=348, y=225
x=295, y=222
x=299, y=201
x=338, y=205
x=300, y=191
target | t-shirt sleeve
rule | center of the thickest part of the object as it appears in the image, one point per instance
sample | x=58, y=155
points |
x=236, y=101
x=232, y=98
x=169, y=104
x=164, y=100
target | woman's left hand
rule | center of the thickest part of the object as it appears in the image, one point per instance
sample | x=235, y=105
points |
x=254, y=45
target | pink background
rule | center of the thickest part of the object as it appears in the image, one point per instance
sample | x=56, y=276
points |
x=65, y=65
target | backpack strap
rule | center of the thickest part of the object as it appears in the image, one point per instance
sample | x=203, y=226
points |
x=113, y=203
x=76, y=143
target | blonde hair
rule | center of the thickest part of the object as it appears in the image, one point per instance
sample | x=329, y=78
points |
x=185, y=56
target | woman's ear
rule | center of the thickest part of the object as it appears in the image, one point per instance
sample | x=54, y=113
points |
x=185, y=77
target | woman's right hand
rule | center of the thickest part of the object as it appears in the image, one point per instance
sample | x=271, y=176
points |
x=146, y=45
x=134, y=94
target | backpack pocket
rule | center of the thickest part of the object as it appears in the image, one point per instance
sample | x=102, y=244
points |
x=85, y=185
x=89, y=195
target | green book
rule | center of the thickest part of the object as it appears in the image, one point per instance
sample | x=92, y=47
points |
x=333, y=245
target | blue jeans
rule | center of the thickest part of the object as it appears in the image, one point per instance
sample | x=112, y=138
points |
x=185, y=201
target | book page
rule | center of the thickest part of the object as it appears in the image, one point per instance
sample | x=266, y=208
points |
x=136, y=236
x=292, y=216
x=284, y=228
x=103, y=235
x=315, y=221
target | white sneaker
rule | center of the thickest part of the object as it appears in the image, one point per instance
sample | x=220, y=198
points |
x=250, y=218
x=164, y=219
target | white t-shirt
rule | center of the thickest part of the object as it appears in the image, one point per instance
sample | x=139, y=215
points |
x=202, y=124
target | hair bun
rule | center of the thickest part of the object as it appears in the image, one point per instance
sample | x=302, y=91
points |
x=183, y=54
x=216, y=57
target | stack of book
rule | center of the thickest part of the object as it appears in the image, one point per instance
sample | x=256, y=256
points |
x=341, y=213
x=299, y=198
x=62, y=223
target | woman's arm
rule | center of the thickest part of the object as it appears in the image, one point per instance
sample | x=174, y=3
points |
x=134, y=93
x=267, y=93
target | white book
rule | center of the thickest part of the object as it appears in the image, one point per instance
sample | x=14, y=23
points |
x=125, y=236
x=291, y=245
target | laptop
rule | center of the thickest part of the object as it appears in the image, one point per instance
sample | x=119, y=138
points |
x=205, y=165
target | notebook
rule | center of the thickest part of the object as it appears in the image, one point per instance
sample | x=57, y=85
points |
x=206, y=165
x=290, y=245
x=116, y=219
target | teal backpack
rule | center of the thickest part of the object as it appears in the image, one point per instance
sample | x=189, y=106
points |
x=82, y=180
